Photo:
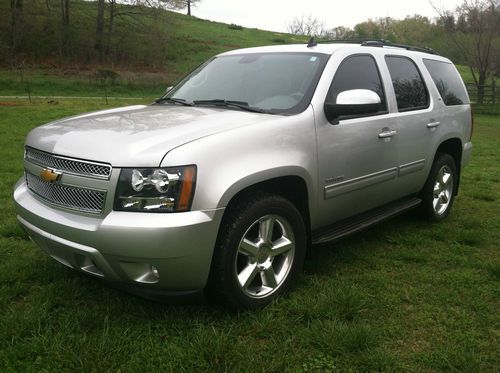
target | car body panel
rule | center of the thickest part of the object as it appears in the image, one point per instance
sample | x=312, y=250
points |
x=137, y=136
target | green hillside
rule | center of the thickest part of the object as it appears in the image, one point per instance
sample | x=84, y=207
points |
x=144, y=51
x=147, y=50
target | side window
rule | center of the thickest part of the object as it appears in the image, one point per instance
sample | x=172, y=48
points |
x=410, y=90
x=448, y=82
x=358, y=72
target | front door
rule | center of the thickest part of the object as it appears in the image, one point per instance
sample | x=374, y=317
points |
x=357, y=155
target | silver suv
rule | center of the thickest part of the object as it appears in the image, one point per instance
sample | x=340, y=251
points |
x=221, y=185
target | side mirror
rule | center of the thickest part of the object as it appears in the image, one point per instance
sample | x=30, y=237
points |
x=352, y=102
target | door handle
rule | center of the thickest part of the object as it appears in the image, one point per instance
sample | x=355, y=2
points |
x=433, y=124
x=386, y=134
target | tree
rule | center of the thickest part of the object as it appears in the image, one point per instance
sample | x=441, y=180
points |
x=380, y=28
x=115, y=12
x=182, y=4
x=305, y=25
x=474, y=30
x=339, y=33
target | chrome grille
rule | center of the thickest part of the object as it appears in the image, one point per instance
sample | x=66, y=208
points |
x=73, y=166
x=67, y=196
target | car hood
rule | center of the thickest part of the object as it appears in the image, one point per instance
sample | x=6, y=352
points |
x=136, y=136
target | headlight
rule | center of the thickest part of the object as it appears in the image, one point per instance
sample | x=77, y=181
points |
x=155, y=189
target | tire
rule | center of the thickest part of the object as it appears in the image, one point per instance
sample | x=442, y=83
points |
x=439, y=191
x=259, y=252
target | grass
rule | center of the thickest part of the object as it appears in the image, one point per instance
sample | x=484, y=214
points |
x=81, y=84
x=404, y=296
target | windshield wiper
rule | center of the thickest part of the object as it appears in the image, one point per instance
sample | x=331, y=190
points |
x=174, y=101
x=230, y=103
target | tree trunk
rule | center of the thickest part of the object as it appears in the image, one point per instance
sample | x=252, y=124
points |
x=189, y=7
x=66, y=13
x=99, y=33
x=480, y=86
x=64, y=26
x=16, y=11
x=110, y=27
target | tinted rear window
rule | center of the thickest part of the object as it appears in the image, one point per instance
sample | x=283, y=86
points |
x=448, y=82
x=409, y=87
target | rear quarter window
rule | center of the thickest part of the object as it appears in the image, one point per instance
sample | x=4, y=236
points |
x=448, y=82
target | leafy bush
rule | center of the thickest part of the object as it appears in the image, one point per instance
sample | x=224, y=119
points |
x=234, y=26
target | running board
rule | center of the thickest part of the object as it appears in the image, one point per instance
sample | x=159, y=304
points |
x=364, y=220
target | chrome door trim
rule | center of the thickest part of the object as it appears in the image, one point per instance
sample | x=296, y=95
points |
x=334, y=190
x=411, y=167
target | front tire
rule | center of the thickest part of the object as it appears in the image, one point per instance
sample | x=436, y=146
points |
x=259, y=252
x=439, y=191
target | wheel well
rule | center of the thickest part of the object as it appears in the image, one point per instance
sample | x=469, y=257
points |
x=453, y=147
x=293, y=188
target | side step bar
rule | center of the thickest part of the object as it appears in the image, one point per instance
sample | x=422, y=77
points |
x=364, y=220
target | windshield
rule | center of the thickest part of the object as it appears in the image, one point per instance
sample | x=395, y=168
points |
x=277, y=83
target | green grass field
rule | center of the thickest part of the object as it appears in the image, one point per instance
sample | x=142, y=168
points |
x=404, y=296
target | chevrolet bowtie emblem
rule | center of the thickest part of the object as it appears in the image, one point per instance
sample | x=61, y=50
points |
x=50, y=175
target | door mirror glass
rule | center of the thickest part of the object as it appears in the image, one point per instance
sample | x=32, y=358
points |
x=353, y=102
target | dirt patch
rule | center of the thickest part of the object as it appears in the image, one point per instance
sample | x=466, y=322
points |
x=10, y=103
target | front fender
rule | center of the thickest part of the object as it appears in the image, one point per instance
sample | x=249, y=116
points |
x=266, y=175
x=231, y=161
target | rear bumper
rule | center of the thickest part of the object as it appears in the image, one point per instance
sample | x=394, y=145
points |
x=466, y=154
x=155, y=252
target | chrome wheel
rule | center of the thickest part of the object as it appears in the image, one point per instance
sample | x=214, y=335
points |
x=443, y=189
x=265, y=256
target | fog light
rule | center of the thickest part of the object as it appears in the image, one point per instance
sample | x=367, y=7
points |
x=155, y=272
x=141, y=272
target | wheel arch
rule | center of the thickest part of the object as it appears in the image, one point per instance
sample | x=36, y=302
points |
x=291, y=186
x=452, y=146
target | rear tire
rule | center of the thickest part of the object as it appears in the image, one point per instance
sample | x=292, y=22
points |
x=259, y=252
x=439, y=191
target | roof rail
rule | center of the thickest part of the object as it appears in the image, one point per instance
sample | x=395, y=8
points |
x=373, y=43
x=387, y=43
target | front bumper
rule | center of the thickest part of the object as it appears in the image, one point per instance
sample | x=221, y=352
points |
x=154, y=251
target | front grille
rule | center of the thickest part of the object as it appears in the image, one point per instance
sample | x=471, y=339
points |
x=73, y=166
x=67, y=196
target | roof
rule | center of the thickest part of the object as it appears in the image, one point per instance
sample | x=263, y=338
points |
x=320, y=48
x=330, y=48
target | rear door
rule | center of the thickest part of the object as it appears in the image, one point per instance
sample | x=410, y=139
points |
x=416, y=121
